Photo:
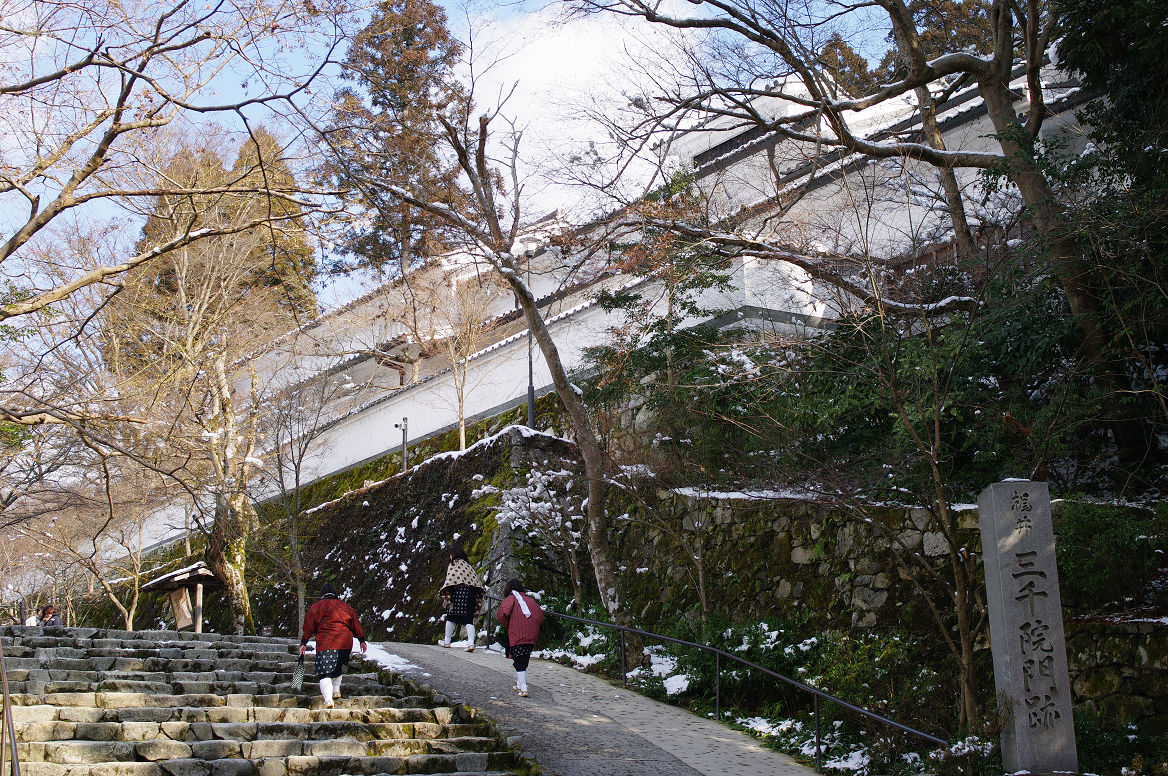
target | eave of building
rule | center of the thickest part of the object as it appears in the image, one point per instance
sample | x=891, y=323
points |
x=842, y=162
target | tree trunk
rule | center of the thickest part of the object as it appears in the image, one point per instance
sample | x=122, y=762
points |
x=301, y=606
x=227, y=556
x=596, y=518
x=969, y=705
x=187, y=531
x=461, y=421
x=700, y=563
x=577, y=582
x=1069, y=265
x=299, y=582
x=962, y=236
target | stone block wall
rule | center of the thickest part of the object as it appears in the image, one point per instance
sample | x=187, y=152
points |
x=766, y=556
x=1121, y=669
x=762, y=555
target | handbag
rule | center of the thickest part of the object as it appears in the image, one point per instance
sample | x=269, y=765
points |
x=298, y=675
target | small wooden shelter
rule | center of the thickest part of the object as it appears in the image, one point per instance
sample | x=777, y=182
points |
x=180, y=584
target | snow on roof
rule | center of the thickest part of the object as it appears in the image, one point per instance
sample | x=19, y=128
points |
x=896, y=115
x=196, y=570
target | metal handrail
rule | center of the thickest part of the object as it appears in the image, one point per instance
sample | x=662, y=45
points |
x=719, y=654
x=9, y=725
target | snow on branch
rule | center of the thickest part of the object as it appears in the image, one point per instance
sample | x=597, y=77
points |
x=821, y=265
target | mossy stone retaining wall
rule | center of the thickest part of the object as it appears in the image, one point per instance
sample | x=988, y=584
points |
x=791, y=556
x=767, y=555
x=385, y=546
x=1121, y=669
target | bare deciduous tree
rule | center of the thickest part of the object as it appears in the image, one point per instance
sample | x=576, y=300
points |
x=292, y=428
x=486, y=219
x=758, y=65
x=463, y=313
x=89, y=92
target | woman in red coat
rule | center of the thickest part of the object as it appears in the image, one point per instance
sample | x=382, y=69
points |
x=334, y=624
x=521, y=615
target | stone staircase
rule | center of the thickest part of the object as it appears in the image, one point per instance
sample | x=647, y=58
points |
x=161, y=703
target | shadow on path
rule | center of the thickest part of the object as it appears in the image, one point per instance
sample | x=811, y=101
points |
x=575, y=724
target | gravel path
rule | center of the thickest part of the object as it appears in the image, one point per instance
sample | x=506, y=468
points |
x=575, y=724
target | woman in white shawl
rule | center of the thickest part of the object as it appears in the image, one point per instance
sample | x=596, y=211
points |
x=461, y=593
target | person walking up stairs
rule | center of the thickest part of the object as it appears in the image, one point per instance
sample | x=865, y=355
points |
x=334, y=625
x=163, y=703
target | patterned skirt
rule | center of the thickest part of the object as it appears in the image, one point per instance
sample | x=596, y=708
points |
x=330, y=662
x=520, y=655
x=464, y=600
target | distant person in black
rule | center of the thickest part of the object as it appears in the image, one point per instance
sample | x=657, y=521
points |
x=51, y=617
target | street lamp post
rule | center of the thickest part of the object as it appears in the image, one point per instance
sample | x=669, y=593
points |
x=404, y=426
x=530, y=361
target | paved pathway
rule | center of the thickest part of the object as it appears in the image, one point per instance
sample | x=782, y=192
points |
x=575, y=724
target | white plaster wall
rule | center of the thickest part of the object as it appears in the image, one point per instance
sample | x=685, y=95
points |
x=866, y=208
x=877, y=208
x=497, y=376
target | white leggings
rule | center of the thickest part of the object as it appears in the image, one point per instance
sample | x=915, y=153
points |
x=328, y=687
x=451, y=628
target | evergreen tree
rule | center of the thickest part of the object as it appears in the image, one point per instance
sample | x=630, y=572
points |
x=271, y=294
x=175, y=334
x=850, y=70
x=384, y=129
x=1117, y=188
x=282, y=259
x=943, y=26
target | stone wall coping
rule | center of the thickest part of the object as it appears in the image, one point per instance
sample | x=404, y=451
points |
x=1096, y=624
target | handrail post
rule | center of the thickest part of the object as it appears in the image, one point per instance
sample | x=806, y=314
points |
x=718, y=686
x=624, y=667
x=9, y=726
x=818, y=757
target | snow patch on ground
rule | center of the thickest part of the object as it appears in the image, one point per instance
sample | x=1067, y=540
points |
x=664, y=666
x=743, y=494
x=676, y=685
x=379, y=655
x=580, y=662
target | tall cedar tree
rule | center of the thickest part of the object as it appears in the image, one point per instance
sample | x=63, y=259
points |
x=400, y=63
x=852, y=75
x=281, y=260
x=1118, y=187
x=485, y=214
x=945, y=26
x=182, y=321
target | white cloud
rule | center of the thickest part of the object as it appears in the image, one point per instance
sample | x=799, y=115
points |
x=555, y=71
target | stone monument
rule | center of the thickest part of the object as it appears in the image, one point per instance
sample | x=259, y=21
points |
x=1026, y=627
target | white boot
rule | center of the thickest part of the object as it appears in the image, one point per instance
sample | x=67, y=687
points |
x=326, y=692
x=449, y=634
x=521, y=683
x=470, y=638
x=336, y=688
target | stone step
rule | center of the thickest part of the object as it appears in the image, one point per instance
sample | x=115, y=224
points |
x=280, y=696
x=111, y=703
x=152, y=665
x=153, y=636
x=43, y=688
x=143, y=649
x=438, y=715
x=429, y=754
x=267, y=767
x=243, y=730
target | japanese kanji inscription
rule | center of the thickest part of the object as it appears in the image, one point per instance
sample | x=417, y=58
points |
x=1026, y=627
